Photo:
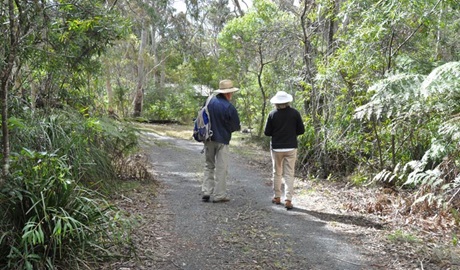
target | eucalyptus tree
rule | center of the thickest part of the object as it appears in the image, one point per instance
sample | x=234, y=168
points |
x=252, y=43
x=150, y=20
x=163, y=42
x=190, y=53
x=198, y=42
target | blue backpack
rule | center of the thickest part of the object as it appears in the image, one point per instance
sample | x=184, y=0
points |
x=202, y=124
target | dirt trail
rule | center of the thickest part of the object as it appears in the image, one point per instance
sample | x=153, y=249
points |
x=333, y=225
x=249, y=232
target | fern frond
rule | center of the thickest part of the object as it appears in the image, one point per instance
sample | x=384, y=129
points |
x=385, y=176
x=393, y=95
x=423, y=178
x=444, y=80
x=450, y=130
x=437, y=151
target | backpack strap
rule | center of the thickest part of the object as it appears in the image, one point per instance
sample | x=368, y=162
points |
x=207, y=112
x=209, y=118
x=208, y=100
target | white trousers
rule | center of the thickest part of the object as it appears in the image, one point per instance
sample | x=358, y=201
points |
x=283, y=167
x=216, y=170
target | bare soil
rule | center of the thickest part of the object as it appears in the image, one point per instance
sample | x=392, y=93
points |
x=351, y=227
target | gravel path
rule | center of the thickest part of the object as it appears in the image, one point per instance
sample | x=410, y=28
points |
x=249, y=232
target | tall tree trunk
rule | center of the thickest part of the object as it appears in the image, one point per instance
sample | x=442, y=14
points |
x=10, y=49
x=5, y=133
x=153, y=51
x=139, y=96
x=312, y=106
x=331, y=21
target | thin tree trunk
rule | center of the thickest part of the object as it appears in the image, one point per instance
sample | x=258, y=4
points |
x=312, y=107
x=5, y=132
x=156, y=60
x=238, y=7
x=379, y=144
x=139, y=96
x=262, y=91
x=108, y=86
x=5, y=74
x=438, y=31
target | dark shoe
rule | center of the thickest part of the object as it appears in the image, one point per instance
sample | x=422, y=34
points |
x=276, y=200
x=206, y=198
x=288, y=204
x=220, y=200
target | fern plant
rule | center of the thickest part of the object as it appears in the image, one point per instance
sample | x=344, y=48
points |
x=434, y=101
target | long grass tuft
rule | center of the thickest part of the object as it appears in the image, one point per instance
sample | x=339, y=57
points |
x=53, y=211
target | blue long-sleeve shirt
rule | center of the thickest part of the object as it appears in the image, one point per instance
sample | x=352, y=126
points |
x=224, y=119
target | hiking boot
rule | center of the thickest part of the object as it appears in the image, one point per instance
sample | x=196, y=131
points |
x=205, y=198
x=276, y=200
x=288, y=204
x=221, y=200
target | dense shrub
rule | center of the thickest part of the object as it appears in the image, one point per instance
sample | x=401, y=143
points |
x=51, y=216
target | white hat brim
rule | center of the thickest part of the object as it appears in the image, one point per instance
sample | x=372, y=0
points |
x=281, y=99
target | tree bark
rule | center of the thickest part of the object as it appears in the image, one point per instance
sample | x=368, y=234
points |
x=108, y=86
x=139, y=96
x=238, y=7
x=262, y=91
x=5, y=76
x=312, y=106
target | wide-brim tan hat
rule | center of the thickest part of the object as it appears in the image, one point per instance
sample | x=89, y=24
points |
x=226, y=86
x=281, y=97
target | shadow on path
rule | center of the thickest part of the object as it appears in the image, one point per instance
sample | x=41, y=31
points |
x=353, y=220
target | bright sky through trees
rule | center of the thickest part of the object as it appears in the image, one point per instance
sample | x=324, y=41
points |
x=179, y=5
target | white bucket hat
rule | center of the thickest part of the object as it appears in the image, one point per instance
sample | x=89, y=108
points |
x=226, y=86
x=281, y=97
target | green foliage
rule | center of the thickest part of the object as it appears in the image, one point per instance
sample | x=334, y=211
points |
x=431, y=100
x=400, y=236
x=48, y=220
x=177, y=103
x=67, y=55
x=93, y=145
x=394, y=96
x=442, y=89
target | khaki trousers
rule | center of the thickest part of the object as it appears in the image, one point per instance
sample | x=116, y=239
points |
x=283, y=167
x=216, y=170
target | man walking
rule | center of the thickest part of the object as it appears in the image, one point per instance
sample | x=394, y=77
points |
x=224, y=121
x=283, y=124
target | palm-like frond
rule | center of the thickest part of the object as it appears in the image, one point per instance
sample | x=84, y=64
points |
x=442, y=89
x=393, y=96
x=443, y=80
x=450, y=129
x=435, y=99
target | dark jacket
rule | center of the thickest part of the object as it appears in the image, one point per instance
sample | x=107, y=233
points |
x=284, y=125
x=224, y=119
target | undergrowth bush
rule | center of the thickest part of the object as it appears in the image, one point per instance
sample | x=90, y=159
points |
x=52, y=215
x=48, y=220
x=92, y=145
x=173, y=103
